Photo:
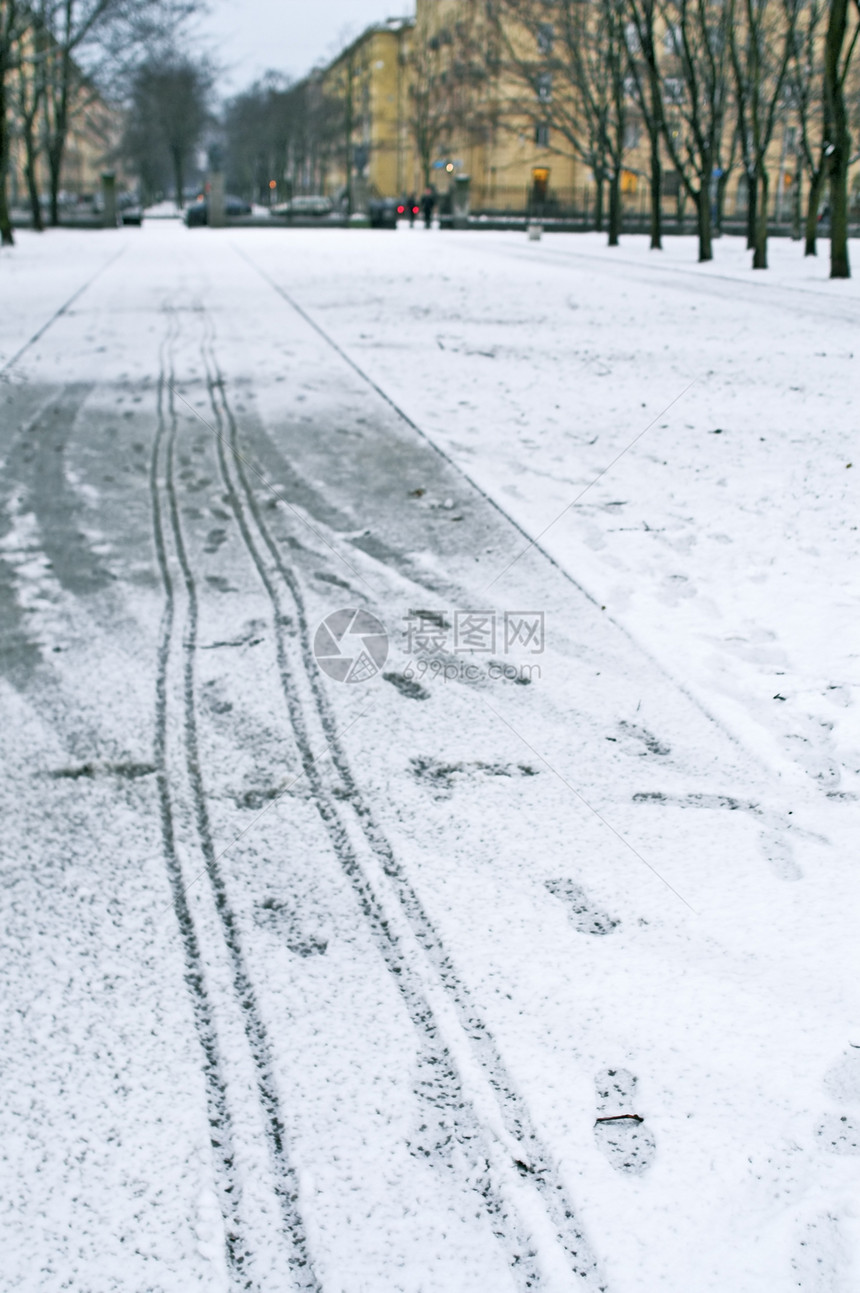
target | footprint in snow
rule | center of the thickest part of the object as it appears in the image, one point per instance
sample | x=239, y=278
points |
x=839, y=1132
x=584, y=915
x=281, y=918
x=649, y=742
x=812, y=750
x=407, y=686
x=780, y=855
x=220, y=583
x=821, y=1257
x=842, y=1081
x=620, y=1132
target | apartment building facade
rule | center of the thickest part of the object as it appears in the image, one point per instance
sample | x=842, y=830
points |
x=468, y=88
x=368, y=88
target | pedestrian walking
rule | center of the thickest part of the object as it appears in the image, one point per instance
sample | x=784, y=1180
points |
x=428, y=202
x=412, y=209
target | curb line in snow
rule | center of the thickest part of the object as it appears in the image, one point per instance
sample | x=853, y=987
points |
x=533, y=543
x=4, y=368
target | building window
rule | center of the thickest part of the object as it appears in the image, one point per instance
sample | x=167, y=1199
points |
x=673, y=90
x=542, y=134
x=545, y=37
x=672, y=38
x=544, y=87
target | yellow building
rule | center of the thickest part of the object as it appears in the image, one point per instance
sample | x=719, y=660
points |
x=366, y=88
x=479, y=126
x=94, y=132
x=459, y=91
x=417, y=102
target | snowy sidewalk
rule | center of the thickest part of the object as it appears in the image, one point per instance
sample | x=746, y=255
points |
x=513, y=967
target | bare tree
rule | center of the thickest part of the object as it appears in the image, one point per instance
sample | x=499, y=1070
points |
x=696, y=88
x=28, y=103
x=315, y=143
x=94, y=43
x=15, y=19
x=804, y=85
x=448, y=72
x=69, y=25
x=641, y=42
x=168, y=114
x=761, y=40
x=839, y=46
x=430, y=116
x=257, y=127
x=572, y=76
x=289, y=134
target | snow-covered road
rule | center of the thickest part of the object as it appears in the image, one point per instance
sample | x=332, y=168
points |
x=529, y=962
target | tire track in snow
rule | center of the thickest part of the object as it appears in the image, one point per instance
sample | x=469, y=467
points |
x=285, y=1181
x=526, y=1157
x=220, y=1123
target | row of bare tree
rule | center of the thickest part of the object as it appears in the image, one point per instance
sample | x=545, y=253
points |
x=705, y=83
x=709, y=81
x=703, y=89
x=56, y=58
x=168, y=116
x=294, y=132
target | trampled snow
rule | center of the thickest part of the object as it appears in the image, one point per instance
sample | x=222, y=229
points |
x=529, y=962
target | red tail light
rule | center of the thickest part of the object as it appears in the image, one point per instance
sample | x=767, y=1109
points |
x=400, y=210
x=416, y=210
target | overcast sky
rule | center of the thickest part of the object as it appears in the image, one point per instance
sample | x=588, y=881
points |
x=247, y=37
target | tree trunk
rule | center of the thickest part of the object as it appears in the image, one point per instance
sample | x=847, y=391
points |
x=615, y=207
x=703, y=211
x=760, y=245
x=55, y=165
x=348, y=126
x=816, y=187
x=598, y=204
x=178, y=177
x=7, y=238
x=720, y=205
x=797, y=200
x=32, y=186
x=752, y=208
x=656, y=193
x=840, y=266
x=836, y=128
x=60, y=84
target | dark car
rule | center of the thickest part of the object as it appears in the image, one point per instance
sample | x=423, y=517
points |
x=130, y=209
x=198, y=212
x=382, y=213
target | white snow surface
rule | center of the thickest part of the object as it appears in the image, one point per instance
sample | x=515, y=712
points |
x=682, y=442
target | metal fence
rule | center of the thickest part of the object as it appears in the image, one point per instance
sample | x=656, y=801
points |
x=576, y=207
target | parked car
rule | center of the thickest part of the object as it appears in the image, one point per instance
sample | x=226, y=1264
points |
x=130, y=210
x=198, y=212
x=236, y=206
x=309, y=204
x=383, y=213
